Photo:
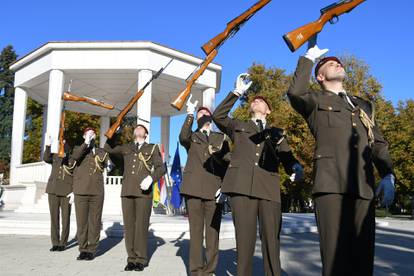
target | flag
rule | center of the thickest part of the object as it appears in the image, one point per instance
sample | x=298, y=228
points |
x=176, y=177
x=163, y=190
x=155, y=195
x=162, y=187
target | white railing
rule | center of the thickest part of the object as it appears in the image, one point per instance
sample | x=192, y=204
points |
x=40, y=171
x=113, y=180
x=32, y=172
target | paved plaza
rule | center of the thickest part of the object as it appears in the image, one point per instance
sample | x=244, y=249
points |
x=29, y=255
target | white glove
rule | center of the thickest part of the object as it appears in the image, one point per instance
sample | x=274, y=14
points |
x=71, y=197
x=314, y=52
x=297, y=174
x=146, y=183
x=87, y=139
x=109, y=166
x=89, y=135
x=191, y=107
x=242, y=84
x=48, y=139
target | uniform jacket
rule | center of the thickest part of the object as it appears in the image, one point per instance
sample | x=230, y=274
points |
x=253, y=169
x=343, y=159
x=88, y=177
x=205, y=166
x=60, y=180
x=135, y=170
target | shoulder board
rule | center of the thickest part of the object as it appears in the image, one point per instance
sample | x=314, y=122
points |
x=366, y=105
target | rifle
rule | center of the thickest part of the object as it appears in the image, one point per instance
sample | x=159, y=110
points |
x=298, y=37
x=61, y=152
x=211, y=50
x=182, y=97
x=233, y=27
x=131, y=103
x=67, y=96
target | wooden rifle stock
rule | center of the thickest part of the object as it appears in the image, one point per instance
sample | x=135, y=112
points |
x=296, y=38
x=211, y=50
x=131, y=103
x=61, y=152
x=74, y=98
x=123, y=113
x=183, y=96
x=232, y=27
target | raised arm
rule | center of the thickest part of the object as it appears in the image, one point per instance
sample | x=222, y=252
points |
x=47, y=155
x=116, y=150
x=221, y=115
x=301, y=99
x=79, y=152
x=185, y=134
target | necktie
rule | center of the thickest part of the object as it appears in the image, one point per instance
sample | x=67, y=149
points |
x=346, y=99
x=260, y=124
x=206, y=134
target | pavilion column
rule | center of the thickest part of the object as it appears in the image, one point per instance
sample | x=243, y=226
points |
x=54, y=107
x=105, y=124
x=19, y=121
x=165, y=137
x=44, y=128
x=209, y=97
x=144, y=103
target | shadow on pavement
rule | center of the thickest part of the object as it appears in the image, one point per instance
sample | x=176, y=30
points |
x=227, y=264
x=153, y=243
x=394, y=252
x=110, y=242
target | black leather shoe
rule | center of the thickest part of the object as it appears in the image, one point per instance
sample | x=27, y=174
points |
x=130, y=267
x=61, y=248
x=89, y=256
x=54, y=248
x=81, y=256
x=139, y=267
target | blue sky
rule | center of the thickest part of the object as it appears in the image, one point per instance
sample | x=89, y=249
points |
x=378, y=32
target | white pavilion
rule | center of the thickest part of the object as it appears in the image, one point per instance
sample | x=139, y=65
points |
x=111, y=71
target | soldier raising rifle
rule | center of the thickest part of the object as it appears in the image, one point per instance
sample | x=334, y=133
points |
x=348, y=145
x=143, y=165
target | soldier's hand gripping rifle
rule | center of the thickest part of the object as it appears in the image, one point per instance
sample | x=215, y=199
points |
x=211, y=50
x=298, y=37
x=131, y=103
x=67, y=96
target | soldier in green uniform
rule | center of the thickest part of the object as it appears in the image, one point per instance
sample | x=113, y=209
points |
x=201, y=185
x=143, y=165
x=60, y=196
x=88, y=187
x=252, y=178
x=348, y=145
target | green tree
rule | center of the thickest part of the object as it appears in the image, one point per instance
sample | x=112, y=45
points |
x=33, y=132
x=7, y=57
x=402, y=152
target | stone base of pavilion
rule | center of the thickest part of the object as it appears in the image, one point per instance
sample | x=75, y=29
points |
x=161, y=226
